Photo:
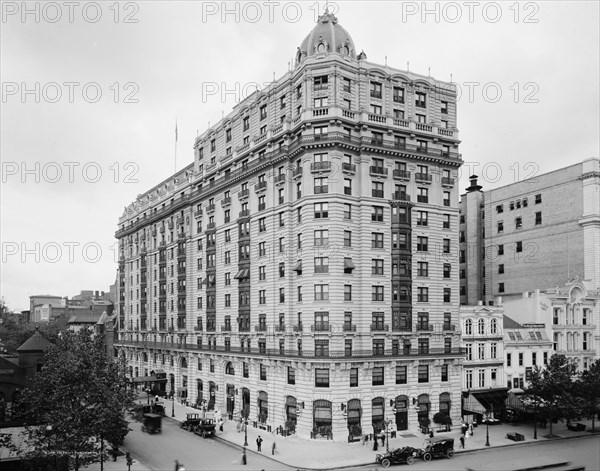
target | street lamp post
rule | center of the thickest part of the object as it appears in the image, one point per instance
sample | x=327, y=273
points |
x=487, y=429
x=148, y=391
x=387, y=423
x=172, y=405
x=245, y=414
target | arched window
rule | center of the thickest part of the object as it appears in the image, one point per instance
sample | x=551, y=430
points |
x=481, y=326
x=354, y=415
x=468, y=327
x=291, y=412
x=377, y=411
x=229, y=370
x=445, y=403
x=424, y=407
x=183, y=362
x=263, y=406
x=144, y=357
x=322, y=417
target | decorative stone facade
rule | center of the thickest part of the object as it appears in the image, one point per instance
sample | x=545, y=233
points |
x=304, y=268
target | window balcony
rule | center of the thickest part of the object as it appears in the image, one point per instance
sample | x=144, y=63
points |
x=243, y=194
x=321, y=327
x=320, y=166
x=374, y=170
x=447, y=181
x=321, y=189
x=375, y=94
x=226, y=328
x=260, y=187
x=226, y=202
x=380, y=327
x=424, y=327
x=197, y=214
x=377, y=193
x=402, y=174
x=245, y=213
x=346, y=167
x=398, y=99
x=423, y=177
x=211, y=225
x=349, y=327
x=297, y=172
x=210, y=208
x=400, y=196
x=422, y=199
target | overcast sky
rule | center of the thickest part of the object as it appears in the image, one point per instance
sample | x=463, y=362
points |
x=90, y=94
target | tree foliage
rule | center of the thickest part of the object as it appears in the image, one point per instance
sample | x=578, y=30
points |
x=76, y=402
x=588, y=389
x=552, y=392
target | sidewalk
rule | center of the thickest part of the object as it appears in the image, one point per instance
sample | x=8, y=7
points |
x=326, y=454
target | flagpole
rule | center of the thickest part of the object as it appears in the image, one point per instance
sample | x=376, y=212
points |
x=175, y=169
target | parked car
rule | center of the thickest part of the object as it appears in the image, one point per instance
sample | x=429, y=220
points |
x=205, y=428
x=406, y=454
x=436, y=447
x=191, y=422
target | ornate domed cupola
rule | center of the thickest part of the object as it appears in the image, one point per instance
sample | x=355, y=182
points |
x=327, y=37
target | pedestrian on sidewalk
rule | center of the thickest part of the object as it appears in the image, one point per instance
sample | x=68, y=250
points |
x=471, y=429
x=273, y=448
x=259, y=441
x=462, y=442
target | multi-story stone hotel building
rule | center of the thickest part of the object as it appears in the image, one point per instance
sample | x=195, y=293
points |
x=304, y=269
x=533, y=234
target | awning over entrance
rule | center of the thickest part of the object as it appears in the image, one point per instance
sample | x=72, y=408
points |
x=348, y=263
x=298, y=266
x=471, y=404
x=515, y=402
x=493, y=400
x=148, y=379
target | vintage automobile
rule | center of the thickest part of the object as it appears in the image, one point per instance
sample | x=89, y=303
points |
x=436, y=447
x=206, y=427
x=191, y=422
x=151, y=423
x=406, y=454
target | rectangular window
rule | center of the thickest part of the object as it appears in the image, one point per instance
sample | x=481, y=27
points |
x=347, y=292
x=519, y=247
x=376, y=266
x=422, y=244
x=347, y=211
x=353, y=377
x=401, y=374
x=321, y=292
x=423, y=294
x=444, y=376
x=321, y=377
x=376, y=240
x=538, y=218
x=263, y=372
x=447, y=269
x=538, y=198
x=347, y=239
x=377, y=293
x=423, y=374
x=378, y=376
x=321, y=237
x=377, y=214
x=375, y=90
x=321, y=210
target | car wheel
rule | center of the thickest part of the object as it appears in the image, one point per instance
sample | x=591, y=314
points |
x=427, y=457
x=410, y=460
x=450, y=453
x=385, y=463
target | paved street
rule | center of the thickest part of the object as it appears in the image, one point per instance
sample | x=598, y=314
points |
x=584, y=451
x=159, y=452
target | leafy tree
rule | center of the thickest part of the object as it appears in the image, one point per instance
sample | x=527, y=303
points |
x=552, y=391
x=588, y=389
x=76, y=402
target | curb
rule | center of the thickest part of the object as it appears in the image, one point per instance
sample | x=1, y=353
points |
x=457, y=452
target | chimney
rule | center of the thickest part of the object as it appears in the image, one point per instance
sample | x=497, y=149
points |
x=498, y=300
x=96, y=294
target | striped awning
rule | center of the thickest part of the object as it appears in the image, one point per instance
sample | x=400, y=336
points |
x=472, y=404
